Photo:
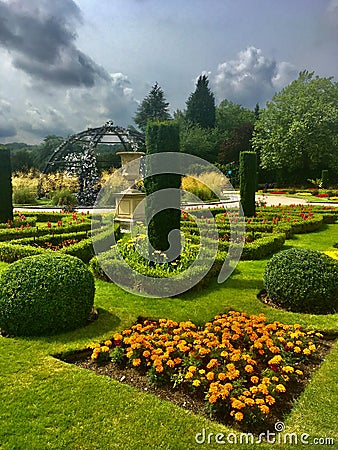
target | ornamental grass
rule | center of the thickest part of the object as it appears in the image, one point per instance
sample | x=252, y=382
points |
x=242, y=366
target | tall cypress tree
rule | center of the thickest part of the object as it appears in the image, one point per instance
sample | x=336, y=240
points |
x=162, y=137
x=248, y=182
x=153, y=107
x=6, y=205
x=201, y=109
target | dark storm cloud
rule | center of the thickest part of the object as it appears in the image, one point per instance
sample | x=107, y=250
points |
x=40, y=37
x=7, y=130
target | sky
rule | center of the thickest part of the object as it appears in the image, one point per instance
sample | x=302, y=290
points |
x=67, y=65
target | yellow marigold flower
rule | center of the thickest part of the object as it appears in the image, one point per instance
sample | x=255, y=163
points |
x=93, y=345
x=210, y=376
x=221, y=376
x=319, y=335
x=306, y=351
x=290, y=344
x=146, y=353
x=299, y=372
x=297, y=350
x=249, y=401
x=299, y=343
x=201, y=371
x=235, y=357
x=275, y=360
x=263, y=389
x=288, y=369
x=270, y=400
x=274, y=378
x=239, y=416
x=108, y=343
x=192, y=369
x=104, y=349
x=254, y=389
x=286, y=377
x=248, y=368
x=129, y=354
x=264, y=409
x=196, y=383
x=254, y=379
x=189, y=375
x=170, y=363
x=136, y=362
x=118, y=336
x=259, y=401
x=280, y=388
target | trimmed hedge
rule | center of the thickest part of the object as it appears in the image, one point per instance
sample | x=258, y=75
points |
x=248, y=181
x=162, y=137
x=45, y=294
x=18, y=249
x=302, y=280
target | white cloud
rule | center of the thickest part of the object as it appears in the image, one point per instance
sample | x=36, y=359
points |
x=251, y=78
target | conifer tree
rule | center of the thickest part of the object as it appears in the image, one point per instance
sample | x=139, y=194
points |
x=153, y=107
x=6, y=206
x=201, y=108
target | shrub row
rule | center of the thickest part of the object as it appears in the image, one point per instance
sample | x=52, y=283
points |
x=12, y=233
x=12, y=251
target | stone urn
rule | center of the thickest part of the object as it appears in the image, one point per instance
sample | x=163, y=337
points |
x=128, y=203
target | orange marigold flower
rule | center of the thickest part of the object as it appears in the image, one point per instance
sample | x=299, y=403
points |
x=189, y=375
x=108, y=343
x=136, y=362
x=213, y=398
x=264, y=409
x=210, y=376
x=239, y=416
x=146, y=353
x=254, y=379
x=222, y=376
x=118, y=336
x=212, y=363
x=270, y=400
x=170, y=363
x=159, y=368
x=248, y=368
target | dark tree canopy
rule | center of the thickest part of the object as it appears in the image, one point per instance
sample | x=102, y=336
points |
x=153, y=107
x=201, y=108
x=240, y=141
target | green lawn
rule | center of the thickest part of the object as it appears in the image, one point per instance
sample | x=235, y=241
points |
x=48, y=404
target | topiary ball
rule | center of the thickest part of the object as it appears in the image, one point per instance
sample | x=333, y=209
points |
x=45, y=294
x=301, y=280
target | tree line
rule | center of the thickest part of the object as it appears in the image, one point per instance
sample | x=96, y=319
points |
x=295, y=136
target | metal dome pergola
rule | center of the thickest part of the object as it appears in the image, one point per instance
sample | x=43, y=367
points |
x=88, y=140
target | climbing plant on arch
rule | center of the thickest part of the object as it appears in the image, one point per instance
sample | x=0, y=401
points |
x=77, y=154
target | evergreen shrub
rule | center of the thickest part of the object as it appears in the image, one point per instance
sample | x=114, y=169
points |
x=302, y=280
x=45, y=294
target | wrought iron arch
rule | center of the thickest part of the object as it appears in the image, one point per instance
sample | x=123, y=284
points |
x=89, y=139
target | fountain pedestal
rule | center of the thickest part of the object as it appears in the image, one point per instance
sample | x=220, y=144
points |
x=128, y=207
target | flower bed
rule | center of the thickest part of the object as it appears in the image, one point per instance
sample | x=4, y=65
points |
x=243, y=368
